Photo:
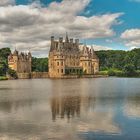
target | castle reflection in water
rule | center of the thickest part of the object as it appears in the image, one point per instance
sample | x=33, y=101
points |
x=67, y=106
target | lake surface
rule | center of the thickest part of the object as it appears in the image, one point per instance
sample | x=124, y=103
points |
x=71, y=109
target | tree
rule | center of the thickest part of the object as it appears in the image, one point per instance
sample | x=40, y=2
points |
x=129, y=70
x=12, y=73
x=40, y=64
x=4, y=53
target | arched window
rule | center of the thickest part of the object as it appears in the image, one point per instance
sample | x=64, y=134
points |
x=62, y=71
x=61, y=63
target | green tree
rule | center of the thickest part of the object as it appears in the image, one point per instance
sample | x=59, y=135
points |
x=129, y=70
x=4, y=52
x=40, y=64
x=12, y=73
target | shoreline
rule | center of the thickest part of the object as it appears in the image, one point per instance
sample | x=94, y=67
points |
x=3, y=78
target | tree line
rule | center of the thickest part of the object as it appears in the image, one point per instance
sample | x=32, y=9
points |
x=123, y=63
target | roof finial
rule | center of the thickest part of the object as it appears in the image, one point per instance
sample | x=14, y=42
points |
x=67, y=38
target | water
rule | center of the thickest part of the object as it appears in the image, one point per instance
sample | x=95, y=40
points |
x=74, y=109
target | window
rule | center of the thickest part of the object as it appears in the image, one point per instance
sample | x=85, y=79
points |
x=88, y=63
x=61, y=70
x=85, y=64
x=61, y=63
x=58, y=70
x=57, y=63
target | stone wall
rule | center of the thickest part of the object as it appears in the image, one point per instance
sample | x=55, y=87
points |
x=35, y=75
x=78, y=76
x=24, y=75
x=39, y=75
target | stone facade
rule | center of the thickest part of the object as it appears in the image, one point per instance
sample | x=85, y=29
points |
x=21, y=63
x=67, y=58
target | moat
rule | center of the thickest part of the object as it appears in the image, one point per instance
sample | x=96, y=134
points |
x=72, y=109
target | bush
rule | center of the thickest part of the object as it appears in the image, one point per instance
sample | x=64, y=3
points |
x=111, y=72
x=103, y=73
x=3, y=78
x=12, y=73
x=129, y=70
x=120, y=74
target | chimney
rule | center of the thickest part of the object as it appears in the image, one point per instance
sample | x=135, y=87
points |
x=71, y=40
x=52, y=38
x=61, y=39
x=77, y=41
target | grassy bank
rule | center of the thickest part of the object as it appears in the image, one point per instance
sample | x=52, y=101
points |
x=120, y=73
x=3, y=78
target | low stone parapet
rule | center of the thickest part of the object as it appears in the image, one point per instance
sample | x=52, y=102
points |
x=36, y=75
x=79, y=76
x=24, y=75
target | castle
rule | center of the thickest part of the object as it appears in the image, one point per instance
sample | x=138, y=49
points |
x=21, y=63
x=67, y=58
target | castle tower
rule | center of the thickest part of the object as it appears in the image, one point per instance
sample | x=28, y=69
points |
x=30, y=62
x=21, y=63
x=13, y=60
x=85, y=60
x=57, y=59
x=95, y=61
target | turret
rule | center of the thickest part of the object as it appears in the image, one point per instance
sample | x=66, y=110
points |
x=52, y=38
x=93, y=54
x=71, y=40
x=95, y=61
x=29, y=56
x=67, y=38
x=61, y=40
x=52, y=43
x=15, y=53
x=77, y=41
x=85, y=51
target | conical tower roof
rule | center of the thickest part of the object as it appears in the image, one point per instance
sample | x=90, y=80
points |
x=93, y=54
x=67, y=38
x=15, y=53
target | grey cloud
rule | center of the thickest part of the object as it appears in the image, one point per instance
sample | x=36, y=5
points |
x=7, y=2
x=31, y=25
x=131, y=38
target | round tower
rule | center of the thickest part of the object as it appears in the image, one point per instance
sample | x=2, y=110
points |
x=15, y=60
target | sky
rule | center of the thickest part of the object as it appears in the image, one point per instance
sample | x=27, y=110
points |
x=104, y=24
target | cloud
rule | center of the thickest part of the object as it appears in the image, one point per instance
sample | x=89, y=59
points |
x=98, y=47
x=30, y=26
x=7, y=2
x=131, y=38
x=132, y=108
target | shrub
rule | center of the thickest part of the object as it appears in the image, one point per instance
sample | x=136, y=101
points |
x=12, y=73
x=3, y=78
x=129, y=70
x=103, y=73
x=111, y=72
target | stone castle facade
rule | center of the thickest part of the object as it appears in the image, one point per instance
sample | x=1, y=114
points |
x=21, y=63
x=67, y=58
